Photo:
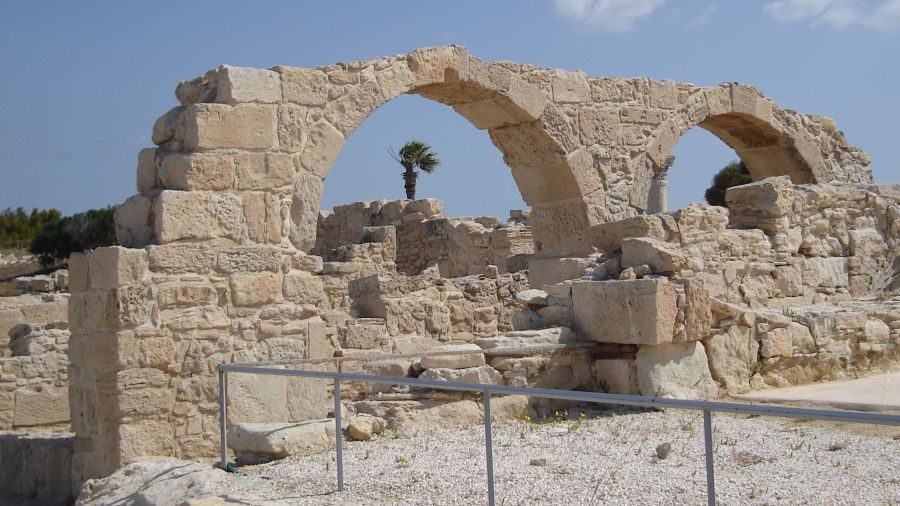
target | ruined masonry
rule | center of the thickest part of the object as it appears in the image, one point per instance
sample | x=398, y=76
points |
x=227, y=257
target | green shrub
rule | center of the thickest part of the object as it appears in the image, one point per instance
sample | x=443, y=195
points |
x=80, y=232
x=733, y=174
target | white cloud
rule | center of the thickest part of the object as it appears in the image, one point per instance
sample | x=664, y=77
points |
x=705, y=17
x=607, y=15
x=839, y=14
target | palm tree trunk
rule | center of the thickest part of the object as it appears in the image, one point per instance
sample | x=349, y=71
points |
x=409, y=183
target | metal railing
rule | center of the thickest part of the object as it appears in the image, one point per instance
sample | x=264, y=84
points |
x=707, y=407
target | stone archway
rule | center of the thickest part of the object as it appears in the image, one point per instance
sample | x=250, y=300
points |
x=771, y=141
x=214, y=262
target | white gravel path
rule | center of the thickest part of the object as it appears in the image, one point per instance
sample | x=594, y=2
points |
x=605, y=459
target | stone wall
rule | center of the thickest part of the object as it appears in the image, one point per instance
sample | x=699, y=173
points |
x=31, y=308
x=34, y=380
x=425, y=237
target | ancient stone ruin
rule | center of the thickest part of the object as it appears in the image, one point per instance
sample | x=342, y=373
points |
x=226, y=257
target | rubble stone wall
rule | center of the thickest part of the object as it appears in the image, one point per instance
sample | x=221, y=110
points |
x=34, y=380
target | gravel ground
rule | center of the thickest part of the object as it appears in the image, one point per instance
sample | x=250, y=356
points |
x=602, y=459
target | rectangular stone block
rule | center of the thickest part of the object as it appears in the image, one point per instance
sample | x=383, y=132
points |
x=134, y=223
x=249, y=259
x=115, y=266
x=236, y=85
x=146, y=170
x=570, y=87
x=257, y=399
x=255, y=289
x=219, y=126
x=41, y=405
x=262, y=214
x=79, y=279
x=181, y=258
x=197, y=171
x=640, y=311
x=303, y=86
x=197, y=215
x=263, y=171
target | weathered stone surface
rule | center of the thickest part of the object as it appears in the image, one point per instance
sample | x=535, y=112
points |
x=484, y=374
x=262, y=442
x=114, y=266
x=732, y=356
x=218, y=126
x=161, y=481
x=196, y=171
x=363, y=427
x=461, y=361
x=238, y=85
x=46, y=405
x=675, y=370
x=255, y=289
x=617, y=376
x=197, y=215
x=638, y=311
x=181, y=258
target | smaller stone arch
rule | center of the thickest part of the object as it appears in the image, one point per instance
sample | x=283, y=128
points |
x=770, y=140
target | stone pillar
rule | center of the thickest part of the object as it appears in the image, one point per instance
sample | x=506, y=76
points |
x=657, y=200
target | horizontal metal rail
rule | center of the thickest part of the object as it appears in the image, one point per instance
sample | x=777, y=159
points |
x=707, y=407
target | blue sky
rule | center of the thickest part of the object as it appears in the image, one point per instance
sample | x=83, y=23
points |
x=83, y=82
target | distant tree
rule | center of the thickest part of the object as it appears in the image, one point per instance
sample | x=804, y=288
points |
x=415, y=155
x=73, y=234
x=18, y=228
x=733, y=174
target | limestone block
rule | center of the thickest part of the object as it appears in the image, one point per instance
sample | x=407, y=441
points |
x=185, y=295
x=256, y=398
x=696, y=308
x=323, y=144
x=249, y=259
x=776, y=343
x=41, y=405
x=181, y=258
x=770, y=198
x=523, y=339
x=676, y=371
x=255, y=289
x=307, y=399
x=79, y=277
x=661, y=256
x=145, y=437
x=197, y=171
x=439, y=64
x=165, y=128
x=663, y=94
x=640, y=311
x=483, y=375
x=732, y=356
x=570, y=87
x=363, y=427
x=146, y=170
x=608, y=236
x=825, y=272
x=303, y=86
x=550, y=271
x=617, y=376
x=364, y=333
x=158, y=481
x=293, y=127
x=134, y=222
x=305, y=211
x=598, y=125
x=700, y=223
x=235, y=85
x=254, y=443
x=115, y=266
x=802, y=338
x=876, y=331
x=262, y=214
x=303, y=288
x=263, y=171
x=197, y=215
x=460, y=361
x=220, y=126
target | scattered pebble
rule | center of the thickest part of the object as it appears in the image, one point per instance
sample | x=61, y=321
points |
x=540, y=462
x=664, y=450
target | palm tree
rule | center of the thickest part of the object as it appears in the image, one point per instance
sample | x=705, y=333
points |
x=415, y=155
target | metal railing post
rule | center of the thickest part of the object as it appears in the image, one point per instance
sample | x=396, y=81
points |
x=338, y=440
x=710, y=474
x=489, y=446
x=223, y=432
